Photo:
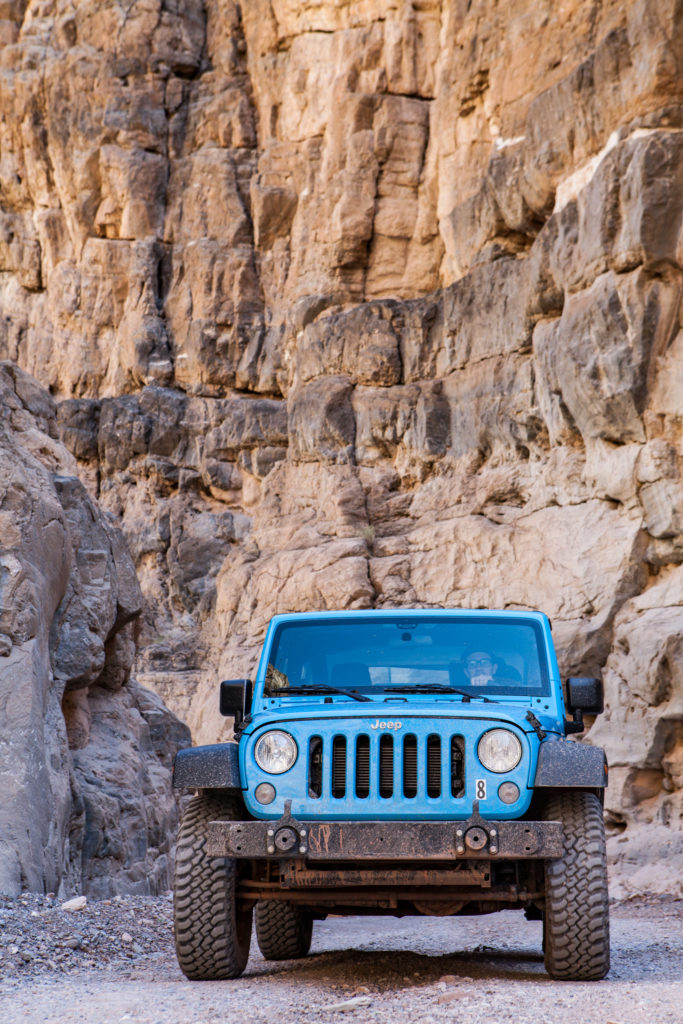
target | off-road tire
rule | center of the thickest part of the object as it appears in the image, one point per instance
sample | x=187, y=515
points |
x=576, y=918
x=212, y=936
x=283, y=931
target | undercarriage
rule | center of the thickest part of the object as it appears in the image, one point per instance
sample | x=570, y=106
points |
x=392, y=867
x=472, y=887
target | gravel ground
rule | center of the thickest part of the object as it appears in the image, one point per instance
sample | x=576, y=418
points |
x=113, y=963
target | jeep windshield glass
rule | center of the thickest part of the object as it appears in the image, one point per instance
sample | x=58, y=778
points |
x=487, y=655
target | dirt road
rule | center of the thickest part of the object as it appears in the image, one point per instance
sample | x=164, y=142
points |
x=410, y=971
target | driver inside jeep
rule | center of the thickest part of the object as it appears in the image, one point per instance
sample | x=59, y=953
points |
x=480, y=668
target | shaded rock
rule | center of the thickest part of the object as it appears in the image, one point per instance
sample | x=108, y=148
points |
x=321, y=422
x=595, y=362
x=627, y=214
x=246, y=424
x=361, y=344
x=70, y=600
x=642, y=731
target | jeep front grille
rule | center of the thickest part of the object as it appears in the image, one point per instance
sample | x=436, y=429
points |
x=363, y=767
x=339, y=766
x=457, y=766
x=315, y=767
x=372, y=764
x=410, y=765
x=386, y=766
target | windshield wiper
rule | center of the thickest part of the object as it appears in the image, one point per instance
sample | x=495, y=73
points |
x=438, y=688
x=315, y=689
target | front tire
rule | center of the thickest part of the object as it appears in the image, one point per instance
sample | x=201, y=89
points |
x=576, y=919
x=283, y=931
x=212, y=935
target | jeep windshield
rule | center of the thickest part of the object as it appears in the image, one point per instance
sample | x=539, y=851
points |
x=486, y=655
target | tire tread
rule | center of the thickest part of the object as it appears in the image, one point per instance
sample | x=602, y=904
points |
x=576, y=919
x=211, y=936
x=283, y=931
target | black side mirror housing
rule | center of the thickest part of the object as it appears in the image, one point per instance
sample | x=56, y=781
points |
x=235, y=698
x=584, y=693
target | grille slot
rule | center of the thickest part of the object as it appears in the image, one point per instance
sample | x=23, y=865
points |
x=457, y=766
x=315, y=767
x=339, y=766
x=386, y=766
x=363, y=767
x=433, y=765
x=410, y=766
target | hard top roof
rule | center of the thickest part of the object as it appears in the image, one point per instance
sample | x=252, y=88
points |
x=388, y=613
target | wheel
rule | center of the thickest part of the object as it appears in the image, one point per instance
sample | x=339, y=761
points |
x=212, y=936
x=576, y=919
x=283, y=931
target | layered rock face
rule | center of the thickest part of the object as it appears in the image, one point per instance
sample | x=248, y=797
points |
x=84, y=752
x=369, y=304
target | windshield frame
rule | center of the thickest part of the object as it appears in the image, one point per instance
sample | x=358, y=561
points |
x=547, y=665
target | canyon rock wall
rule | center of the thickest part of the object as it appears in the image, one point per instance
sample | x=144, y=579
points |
x=362, y=304
x=85, y=753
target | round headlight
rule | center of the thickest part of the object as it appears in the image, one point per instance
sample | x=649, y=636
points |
x=499, y=750
x=275, y=752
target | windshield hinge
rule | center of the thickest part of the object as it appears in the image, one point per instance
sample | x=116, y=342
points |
x=240, y=726
x=536, y=725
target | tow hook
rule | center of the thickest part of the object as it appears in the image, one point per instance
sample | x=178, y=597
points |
x=476, y=833
x=283, y=835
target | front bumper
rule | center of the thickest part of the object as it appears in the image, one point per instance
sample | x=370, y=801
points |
x=474, y=838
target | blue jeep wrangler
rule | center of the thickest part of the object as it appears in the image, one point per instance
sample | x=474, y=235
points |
x=412, y=761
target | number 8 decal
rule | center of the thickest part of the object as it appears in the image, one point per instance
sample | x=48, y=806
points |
x=481, y=789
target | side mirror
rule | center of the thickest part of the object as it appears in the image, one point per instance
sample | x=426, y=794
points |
x=583, y=694
x=235, y=698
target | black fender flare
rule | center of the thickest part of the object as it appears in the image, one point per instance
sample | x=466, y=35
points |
x=215, y=766
x=565, y=764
